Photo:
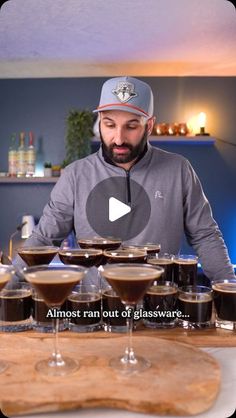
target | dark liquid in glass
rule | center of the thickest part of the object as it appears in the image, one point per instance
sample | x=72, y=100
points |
x=100, y=244
x=15, y=305
x=125, y=256
x=166, y=264
x=149, y=248
x=35, y=258
x=185, y=272
x=40, y=310
x=112, y=303
x=89, y=306
x=81, y=257
x=160, y=298
x=129, y=285
x=54, y=287
x=225, y=301
x=195, y=310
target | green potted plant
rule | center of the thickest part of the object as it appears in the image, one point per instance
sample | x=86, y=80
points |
x=47, y=169
x=79, y=133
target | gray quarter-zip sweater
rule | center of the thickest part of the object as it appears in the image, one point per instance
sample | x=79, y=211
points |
x=177, y=202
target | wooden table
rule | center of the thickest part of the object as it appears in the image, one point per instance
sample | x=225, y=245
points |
x=93, y=350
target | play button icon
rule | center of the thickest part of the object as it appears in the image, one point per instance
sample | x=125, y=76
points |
x=117, y=209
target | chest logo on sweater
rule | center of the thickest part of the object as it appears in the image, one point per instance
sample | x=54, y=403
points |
x=118, y=208
x=158, y=195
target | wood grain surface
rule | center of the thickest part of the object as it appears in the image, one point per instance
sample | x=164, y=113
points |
x=183, y=380
x=208, y=337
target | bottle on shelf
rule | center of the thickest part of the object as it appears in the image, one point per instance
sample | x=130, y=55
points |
x=12, y=157
x=21, y=157
x=30, y=157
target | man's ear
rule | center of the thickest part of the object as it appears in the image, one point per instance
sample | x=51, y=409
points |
x=150, y=124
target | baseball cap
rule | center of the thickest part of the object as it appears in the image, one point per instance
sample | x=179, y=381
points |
x=128, y=94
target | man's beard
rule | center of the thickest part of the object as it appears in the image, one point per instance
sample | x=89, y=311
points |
x=134, y=150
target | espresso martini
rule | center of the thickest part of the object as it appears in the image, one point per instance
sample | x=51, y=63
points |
x=83, y=257
x=130, y=282
x=54, y=285
x=34, y=256
x=125, y=256
x=149, y=248
x=100, y=243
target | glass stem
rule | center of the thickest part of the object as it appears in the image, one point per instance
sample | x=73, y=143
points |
x=99, y=269
x=129, y=352
x=56, y=355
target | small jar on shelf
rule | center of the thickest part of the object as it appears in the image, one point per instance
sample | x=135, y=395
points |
x=47, y=169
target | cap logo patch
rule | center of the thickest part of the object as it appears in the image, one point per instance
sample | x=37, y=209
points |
x=124, y=91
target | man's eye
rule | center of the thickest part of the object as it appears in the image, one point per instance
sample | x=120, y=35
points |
x=109, y=125
x=131, y=127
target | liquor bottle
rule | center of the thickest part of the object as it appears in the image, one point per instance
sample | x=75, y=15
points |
x=12, y=157
x=30, y=157
x=21, y=157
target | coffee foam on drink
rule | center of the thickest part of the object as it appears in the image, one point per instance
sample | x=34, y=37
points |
x=15, y=293
x=160, y=261
x=161, y=290
x=203, y=298
x=37, y=251
x=84, y=297
x=132, y=274
x=224, y=287
x=54, y=277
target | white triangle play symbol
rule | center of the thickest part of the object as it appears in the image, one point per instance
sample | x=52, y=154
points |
x=117, y=209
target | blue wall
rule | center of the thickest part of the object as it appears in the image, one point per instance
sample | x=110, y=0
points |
x=41, y=105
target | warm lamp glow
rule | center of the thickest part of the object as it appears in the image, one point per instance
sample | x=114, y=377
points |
x=198, y=124
x=202, y=120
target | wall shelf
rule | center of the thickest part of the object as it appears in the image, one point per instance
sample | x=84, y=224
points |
x=19, y=180
x=169, y=140
x=182, y=140
x=177, y=140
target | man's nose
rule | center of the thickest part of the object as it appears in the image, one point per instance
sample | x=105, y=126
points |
x=119, y=136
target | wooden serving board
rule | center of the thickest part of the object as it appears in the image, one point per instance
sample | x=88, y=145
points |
x=182, y=380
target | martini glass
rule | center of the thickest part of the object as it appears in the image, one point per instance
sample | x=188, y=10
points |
x=149, y=247
x=6, y=273
x=125, y=256
x=34, y=256
x=130, y=281
x=84, y=257
x=101, y=243
x=54, y=284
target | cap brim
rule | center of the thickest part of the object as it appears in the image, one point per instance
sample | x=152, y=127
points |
x=123, y=107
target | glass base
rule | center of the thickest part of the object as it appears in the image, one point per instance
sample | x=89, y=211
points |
x=61, y=368
x=47, y=327
x=229, y=325
x=84, y=328
x=15, y=326
x=3, y=366
x=150, y=324
x=139, y=364
x=195, y=325
x=115, y=328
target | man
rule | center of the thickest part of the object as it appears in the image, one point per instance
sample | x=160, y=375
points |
x=132, y=190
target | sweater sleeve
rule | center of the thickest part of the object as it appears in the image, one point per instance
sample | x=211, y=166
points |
x=202, y=231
